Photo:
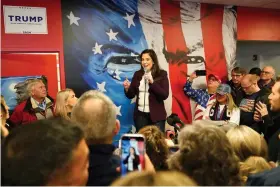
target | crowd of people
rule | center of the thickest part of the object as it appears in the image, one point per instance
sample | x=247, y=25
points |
x=69, y=141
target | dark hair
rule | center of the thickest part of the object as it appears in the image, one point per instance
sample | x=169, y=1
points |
x=156, y=146
x=239, y=70
x=33, y=152
x=134, y=151
x=155, y=69
x=255, y=71
x=206, y=155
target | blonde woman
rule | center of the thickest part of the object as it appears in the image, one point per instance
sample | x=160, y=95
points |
x=247, y=142
x=65, y=101
x=223, y=111
x=4, y=116
x=253, y=165
x=251, y=148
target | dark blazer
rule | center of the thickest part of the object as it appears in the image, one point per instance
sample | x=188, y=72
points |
x=158, y=92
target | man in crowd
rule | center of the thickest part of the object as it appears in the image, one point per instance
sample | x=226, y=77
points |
x=266, y=79
x=201, y=96
x=50, y=152
x=253, y=94
x=256, y=71
x=272, y=122
x=37, y=106
x=96, y=114
x=271, y=177
x=237, y=93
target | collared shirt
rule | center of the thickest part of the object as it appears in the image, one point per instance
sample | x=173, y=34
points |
x=41, y=105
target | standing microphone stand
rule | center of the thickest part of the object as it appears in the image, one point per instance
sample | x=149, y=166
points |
x=176, y=136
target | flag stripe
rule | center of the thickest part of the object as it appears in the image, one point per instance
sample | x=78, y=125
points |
x=154, y=36
x=191, y=25
x=212, y=21
x=175, y=42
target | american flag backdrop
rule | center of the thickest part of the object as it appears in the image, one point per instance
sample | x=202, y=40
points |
x=102, y=41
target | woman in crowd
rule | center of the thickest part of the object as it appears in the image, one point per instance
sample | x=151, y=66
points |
x=223, y=111
x=65, y=101
x=253, y=165
x=151, y=87
x=132, y=160
x=206, y=155
x=163, y=178
x=246, y=142
x=156, y=146
x=4, y=116
x=251, y=148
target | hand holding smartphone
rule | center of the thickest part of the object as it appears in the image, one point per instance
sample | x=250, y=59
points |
x=132, y=153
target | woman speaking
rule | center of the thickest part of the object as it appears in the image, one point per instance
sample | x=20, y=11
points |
x=151, y=87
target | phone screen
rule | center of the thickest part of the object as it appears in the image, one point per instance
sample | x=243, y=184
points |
x=200, y=72
x=132, y=153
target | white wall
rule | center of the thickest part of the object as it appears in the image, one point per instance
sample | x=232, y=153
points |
x=268, y=54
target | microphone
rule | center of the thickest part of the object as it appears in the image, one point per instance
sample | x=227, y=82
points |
x=178, y=120
x=146, y=70
x=173, y=119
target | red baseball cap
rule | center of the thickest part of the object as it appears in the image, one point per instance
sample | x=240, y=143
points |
x=215, y=76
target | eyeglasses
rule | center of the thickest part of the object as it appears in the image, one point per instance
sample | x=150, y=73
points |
x=265, y=72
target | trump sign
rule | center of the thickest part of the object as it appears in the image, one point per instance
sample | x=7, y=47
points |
x=25, y=20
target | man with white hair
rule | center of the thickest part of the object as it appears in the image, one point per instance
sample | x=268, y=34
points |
x=266, y=78
x=96, y=114
x=37, y=106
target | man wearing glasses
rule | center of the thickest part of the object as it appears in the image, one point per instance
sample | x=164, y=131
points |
x=267, y=75
x=237, y=93
x=253, y=94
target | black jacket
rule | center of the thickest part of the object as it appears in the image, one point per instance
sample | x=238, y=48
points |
x=102, y=165
x=267, y=178
x=236, y=92
x=257, y=126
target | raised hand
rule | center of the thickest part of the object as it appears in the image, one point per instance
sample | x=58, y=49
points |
x=192, y=76
x=126, y=84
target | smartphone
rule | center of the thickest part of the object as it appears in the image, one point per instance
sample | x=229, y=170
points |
x=132, y=153
x=200, y=72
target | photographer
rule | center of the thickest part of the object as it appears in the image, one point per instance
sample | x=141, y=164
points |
x=201, y=96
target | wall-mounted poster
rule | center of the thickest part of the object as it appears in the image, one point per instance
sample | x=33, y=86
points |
x=25, y=20
x=11, y=89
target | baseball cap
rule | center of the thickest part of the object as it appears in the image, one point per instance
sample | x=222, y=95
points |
x=215, y=76
x=223, y=89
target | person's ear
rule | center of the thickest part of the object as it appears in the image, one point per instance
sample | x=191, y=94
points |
x=118, y=127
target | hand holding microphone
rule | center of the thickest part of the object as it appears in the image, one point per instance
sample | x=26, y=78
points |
x=148, y=76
